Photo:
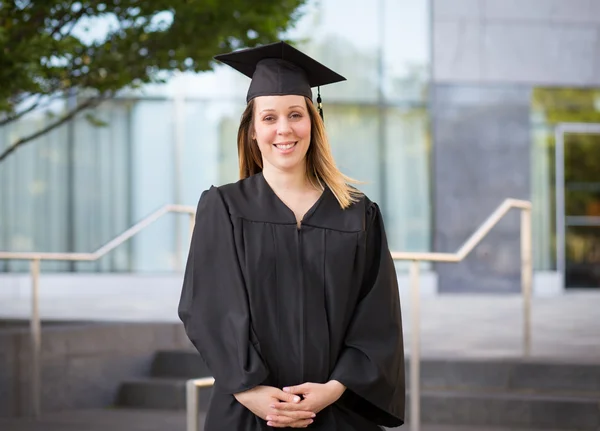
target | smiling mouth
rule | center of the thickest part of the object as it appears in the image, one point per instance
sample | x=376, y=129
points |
x=285, y=145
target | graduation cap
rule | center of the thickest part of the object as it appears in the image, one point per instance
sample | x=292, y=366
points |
x=279, y=69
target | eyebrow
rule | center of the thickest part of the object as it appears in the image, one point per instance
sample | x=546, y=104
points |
x=273, y=110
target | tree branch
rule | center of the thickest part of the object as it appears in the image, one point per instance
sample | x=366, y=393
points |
x=38, y=104
x=16, y=116
x=90, y=103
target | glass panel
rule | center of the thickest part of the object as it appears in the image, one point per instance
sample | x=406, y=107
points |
x=407, y=203
x=582, y=174
x=582, y=210
x=551, y=106
x=67, y=190
x=79, y=186
x=583, y=256
x=542, y=196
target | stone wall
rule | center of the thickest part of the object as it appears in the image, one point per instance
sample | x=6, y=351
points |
x=82, y=364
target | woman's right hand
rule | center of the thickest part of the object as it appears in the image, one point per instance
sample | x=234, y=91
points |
x=261, y=400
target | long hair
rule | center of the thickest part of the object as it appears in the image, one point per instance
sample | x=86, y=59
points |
x=320, y=165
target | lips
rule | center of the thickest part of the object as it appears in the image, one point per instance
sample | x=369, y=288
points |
x=285, y=145
x=285, y=148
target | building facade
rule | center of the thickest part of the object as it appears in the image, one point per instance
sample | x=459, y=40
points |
x=450, y=107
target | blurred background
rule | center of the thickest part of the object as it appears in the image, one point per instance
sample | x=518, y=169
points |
x=110, y=110
x=449, y=107
x=166, y=143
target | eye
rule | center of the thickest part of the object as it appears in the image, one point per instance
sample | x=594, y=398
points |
x=296, y=115
x=269, y=118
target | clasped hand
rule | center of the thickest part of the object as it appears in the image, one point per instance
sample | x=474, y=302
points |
x=285, y=408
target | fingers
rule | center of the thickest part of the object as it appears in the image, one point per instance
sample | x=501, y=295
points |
x=299, y=424
x=294, y=414
x=291, y=407
x=286, y=397
x=298, y=389
x=277, y=421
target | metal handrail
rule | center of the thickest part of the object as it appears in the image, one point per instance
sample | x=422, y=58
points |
x=191, y=400
x=36, y=258
x=415, y=258
x=468, y=246
x=106, y=248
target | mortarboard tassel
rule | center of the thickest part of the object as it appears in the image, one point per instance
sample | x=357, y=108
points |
x=319, y=104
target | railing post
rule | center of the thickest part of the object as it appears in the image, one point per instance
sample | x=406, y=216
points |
x=526, y=277
x=415, y=350
x=191, y=400
x=192, y=223
x=36, y=339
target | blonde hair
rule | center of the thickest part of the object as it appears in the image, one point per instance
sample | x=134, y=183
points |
x=320, y=165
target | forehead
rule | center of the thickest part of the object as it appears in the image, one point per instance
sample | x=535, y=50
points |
x=278, y=103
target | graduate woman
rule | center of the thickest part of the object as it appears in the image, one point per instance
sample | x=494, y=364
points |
x=290, y=293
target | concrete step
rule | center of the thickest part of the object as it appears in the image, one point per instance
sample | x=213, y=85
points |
x=158, y=393
x=510, y=375
x=443, y=407
x=156, y=420
x=510, y=410
x=179, y=364
x=519, y=375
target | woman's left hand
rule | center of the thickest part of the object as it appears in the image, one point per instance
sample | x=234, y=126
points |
x=316, y=396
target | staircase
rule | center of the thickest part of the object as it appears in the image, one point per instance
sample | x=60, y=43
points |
x=165, y=388
x=510, y=393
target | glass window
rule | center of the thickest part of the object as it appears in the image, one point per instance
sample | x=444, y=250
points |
x=581, y=165
x=79, y=186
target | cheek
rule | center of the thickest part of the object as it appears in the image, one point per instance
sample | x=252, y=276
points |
x=303, y=130
x=264, y=135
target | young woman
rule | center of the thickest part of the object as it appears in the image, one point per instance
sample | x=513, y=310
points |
x=290, y=293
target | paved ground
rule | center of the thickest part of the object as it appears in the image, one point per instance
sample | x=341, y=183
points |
x=565, y=326
x=128, y=420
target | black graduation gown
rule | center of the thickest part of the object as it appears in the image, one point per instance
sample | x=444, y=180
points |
x=268, y=303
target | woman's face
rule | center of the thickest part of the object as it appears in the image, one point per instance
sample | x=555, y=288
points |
x=282, y=130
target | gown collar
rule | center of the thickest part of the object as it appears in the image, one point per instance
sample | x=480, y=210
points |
x=281, y=208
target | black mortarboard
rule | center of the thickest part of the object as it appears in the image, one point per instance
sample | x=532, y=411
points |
x=280, y=69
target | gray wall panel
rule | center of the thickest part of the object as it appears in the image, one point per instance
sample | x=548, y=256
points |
x=547, y=11
x=537, y=42
x=457, y=9
x=457, y=49
x=539, y=54
x=481, y=157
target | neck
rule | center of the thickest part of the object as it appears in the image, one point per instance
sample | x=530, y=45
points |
x=286, y=181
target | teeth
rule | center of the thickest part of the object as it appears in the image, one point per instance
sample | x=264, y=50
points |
x=285, y=146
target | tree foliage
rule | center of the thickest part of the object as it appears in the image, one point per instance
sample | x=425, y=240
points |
x=53, y=48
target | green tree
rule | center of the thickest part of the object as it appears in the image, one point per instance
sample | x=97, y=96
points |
x=48, y=50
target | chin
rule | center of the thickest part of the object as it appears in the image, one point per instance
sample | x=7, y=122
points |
x=287, y=165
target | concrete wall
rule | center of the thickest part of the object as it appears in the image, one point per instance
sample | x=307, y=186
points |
x=82, y=365
x=487, y=57
x=539, y=42
x=481, y=157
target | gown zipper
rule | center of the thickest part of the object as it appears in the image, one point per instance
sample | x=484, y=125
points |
x=302, y=297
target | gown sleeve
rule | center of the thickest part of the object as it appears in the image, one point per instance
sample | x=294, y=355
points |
x=371, y=364
x=214, y=304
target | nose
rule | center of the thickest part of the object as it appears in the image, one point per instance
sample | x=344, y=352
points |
x=283, y=126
